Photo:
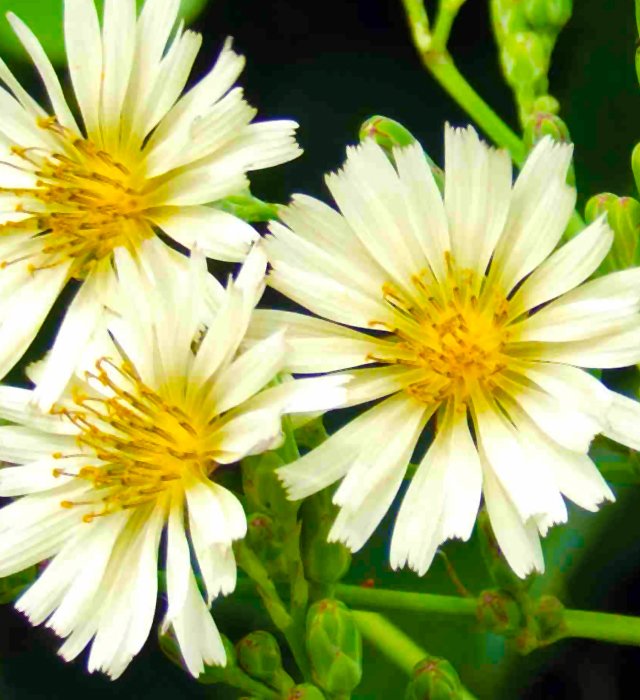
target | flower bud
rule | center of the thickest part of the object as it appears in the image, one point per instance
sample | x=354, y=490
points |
x=499, y=613
x=247, y=207
x=261, y=484
x=549, y=612
x=388, y=134
x=501, y=573
x=623, y=215
x=335, y=647
x=525, y=59
x=259, y=655
x=324, y=562
x=541, y=124
x=434, y=679
x=549, y=15
x=12, y=586
x=546, y=103
x=304, y=691
x=507, y=18
x=269, y=548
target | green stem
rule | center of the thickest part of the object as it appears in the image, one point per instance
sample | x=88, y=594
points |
x=404, y=600
x=621, y=629
x=393, y=642
x=447, y=11
x=293, y=633
x=441, y=66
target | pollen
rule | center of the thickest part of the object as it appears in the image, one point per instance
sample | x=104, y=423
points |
x=82, y=204
x=455, y=331
x=144, y=445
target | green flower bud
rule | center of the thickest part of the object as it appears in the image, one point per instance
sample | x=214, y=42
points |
x=549, y=612
x=304, y=691
x=324, y=562
x=547, y=14
x=262, y=536
x=247, y=207
x=259, y=655
x=12, y=586
x=335, y=646
x=388, y=134
x=434, y=679
x=546, y=103
x=500, y=571
x=507, y=18
x=541, y=124
x=499, y=613
x=544, y=124
x=261, y=484
x=623, y=215
x=525, y=60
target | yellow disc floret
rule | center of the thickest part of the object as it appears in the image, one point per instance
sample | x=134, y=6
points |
x=455, y=330
x=145, y=444
x=83, y=202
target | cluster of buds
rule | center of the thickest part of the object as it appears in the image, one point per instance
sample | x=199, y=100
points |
x=526, y=32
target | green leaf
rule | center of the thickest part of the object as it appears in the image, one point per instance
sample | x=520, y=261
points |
x=44, y=18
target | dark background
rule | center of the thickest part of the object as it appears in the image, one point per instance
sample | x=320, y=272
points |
x=330, y=65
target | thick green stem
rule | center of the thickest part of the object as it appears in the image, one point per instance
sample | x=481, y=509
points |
x=621, y=629
x=393, y=642
x=404, y=600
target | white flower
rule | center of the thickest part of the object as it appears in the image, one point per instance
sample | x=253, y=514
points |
x=486, y=326
x=155, y=407
x=146, y=157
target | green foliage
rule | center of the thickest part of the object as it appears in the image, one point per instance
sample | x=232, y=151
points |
x=44, y=18
x=263, y=487
x=12, y=586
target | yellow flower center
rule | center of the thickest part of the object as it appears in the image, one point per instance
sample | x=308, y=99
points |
x=454, y=332
x=147, y=445
x=83, y=203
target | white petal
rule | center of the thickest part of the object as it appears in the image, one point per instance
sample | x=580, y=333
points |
x=29, y=307
x=178, y=561
x=248, y=374
x=83, y=44
x=205, y=506
x=541, y=205
x=624, y=421
x=198, y=637
x=79, y=323
x=518, y=539
x=219, y=235
x=314, y=345
x=477, y=193
x=425, y=208
x=333, y=458
x=46, y=70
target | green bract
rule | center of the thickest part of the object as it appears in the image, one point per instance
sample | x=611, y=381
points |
x=623, y=215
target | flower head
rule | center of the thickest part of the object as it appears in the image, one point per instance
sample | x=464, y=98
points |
x=134, y=444
x=146, y=157
x=484, y=327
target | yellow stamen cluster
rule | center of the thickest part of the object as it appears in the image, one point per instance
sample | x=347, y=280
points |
x=147, y=446
x=456, y=331
x=83, y=202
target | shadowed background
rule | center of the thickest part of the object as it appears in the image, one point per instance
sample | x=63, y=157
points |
x=330, y=66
